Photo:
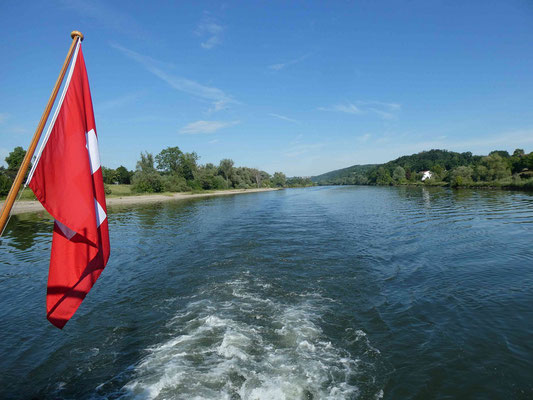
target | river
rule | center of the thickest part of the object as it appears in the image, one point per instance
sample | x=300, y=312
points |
x=317, y=293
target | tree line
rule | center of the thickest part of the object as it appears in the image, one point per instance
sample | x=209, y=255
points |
x=173, y=170
x=497, y=169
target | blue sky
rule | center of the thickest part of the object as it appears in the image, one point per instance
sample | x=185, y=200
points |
x=292, y=86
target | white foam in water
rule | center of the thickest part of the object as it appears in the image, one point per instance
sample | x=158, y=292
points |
x=248, y=348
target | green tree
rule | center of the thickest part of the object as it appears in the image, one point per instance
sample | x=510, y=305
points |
x=174, y=183
x=109, y=175
x=279, y=179
x=149, y=182
x=14, y=159
x=5, y=184
x=497, y=166
x=169, y=160
x=146, y=163
x=146, y=178
x=460, y=176
x=383, y=176
x=123, y=175
x=187, y=165
x=438, y=172
x=225, y=168
x=480, y=173
x=399, y=174
x=501, y=153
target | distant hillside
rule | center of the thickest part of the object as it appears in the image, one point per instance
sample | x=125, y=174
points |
x=339, y=176
x=448, y=168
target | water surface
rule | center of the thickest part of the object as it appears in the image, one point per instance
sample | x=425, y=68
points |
x=319, y=293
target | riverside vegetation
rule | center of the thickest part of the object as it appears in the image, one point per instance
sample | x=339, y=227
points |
x=169, y=171
x=499, y=169
x=175, y=171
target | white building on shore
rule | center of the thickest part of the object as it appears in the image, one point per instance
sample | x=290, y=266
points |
x=426, y=175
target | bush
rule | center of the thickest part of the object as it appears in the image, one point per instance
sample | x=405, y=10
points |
x=174, y=183
x=107, y=189
x=5, y=185
x=219, y=183
x=195, y=185
x=149, y=182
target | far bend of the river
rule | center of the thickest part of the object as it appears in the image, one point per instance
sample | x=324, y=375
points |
x=318, y=293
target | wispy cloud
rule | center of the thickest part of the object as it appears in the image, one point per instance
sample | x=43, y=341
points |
x=348, y=108
x=210, y=31
x=382, y=109
x=200, y=127
x=217, y=96
x=116, y=102
x=283, y=117
x=280, y=66
x=3, y=117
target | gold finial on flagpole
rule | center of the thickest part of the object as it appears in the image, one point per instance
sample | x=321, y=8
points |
x=73, y=34
x=10, y=199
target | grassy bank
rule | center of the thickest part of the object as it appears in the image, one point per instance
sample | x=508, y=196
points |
x=117, y=191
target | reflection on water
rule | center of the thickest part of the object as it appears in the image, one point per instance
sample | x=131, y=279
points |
x=23, y=229
x=320, y=293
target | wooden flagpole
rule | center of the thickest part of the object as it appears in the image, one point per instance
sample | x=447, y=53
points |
x=10, y=200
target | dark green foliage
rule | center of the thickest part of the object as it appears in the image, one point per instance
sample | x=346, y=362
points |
x=14, y=161
x=169, y=159
x=460, y=176
x=149, y=182
x=208, y=179
x=5, y=184
x=146, y=178
x=123, y=176
x=383, y=176
x=187, y=165
x=447, y=167
x=501, y=153
x=174, y=183
x=109, y=175
x=179, y=172
x=117, y=176
x=225, y=168
x=398, y=175
x=176, y=172
x=15, y=158
x=298, y=181
x=279, y=179
x=355, y=175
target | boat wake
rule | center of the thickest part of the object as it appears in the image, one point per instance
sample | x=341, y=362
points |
x=235, y=342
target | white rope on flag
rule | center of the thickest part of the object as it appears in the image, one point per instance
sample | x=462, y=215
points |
x=56, y=113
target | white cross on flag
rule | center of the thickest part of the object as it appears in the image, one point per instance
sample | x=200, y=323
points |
x=67, y=180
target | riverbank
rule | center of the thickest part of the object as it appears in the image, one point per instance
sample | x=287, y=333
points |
x=29, y=206
x=494, y=185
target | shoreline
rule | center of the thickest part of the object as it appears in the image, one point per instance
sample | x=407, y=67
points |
x=525, y=188
x=30, y=206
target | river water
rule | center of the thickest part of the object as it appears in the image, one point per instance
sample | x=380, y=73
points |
x=318, y=293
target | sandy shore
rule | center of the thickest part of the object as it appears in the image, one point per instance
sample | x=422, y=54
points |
x=26, y=206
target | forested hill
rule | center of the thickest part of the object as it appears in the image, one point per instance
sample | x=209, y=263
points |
x=340, y=175
x=499, y=168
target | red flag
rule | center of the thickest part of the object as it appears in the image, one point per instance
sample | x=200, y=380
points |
x=67, y=180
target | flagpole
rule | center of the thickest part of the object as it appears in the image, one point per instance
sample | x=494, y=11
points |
x=10, y=200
